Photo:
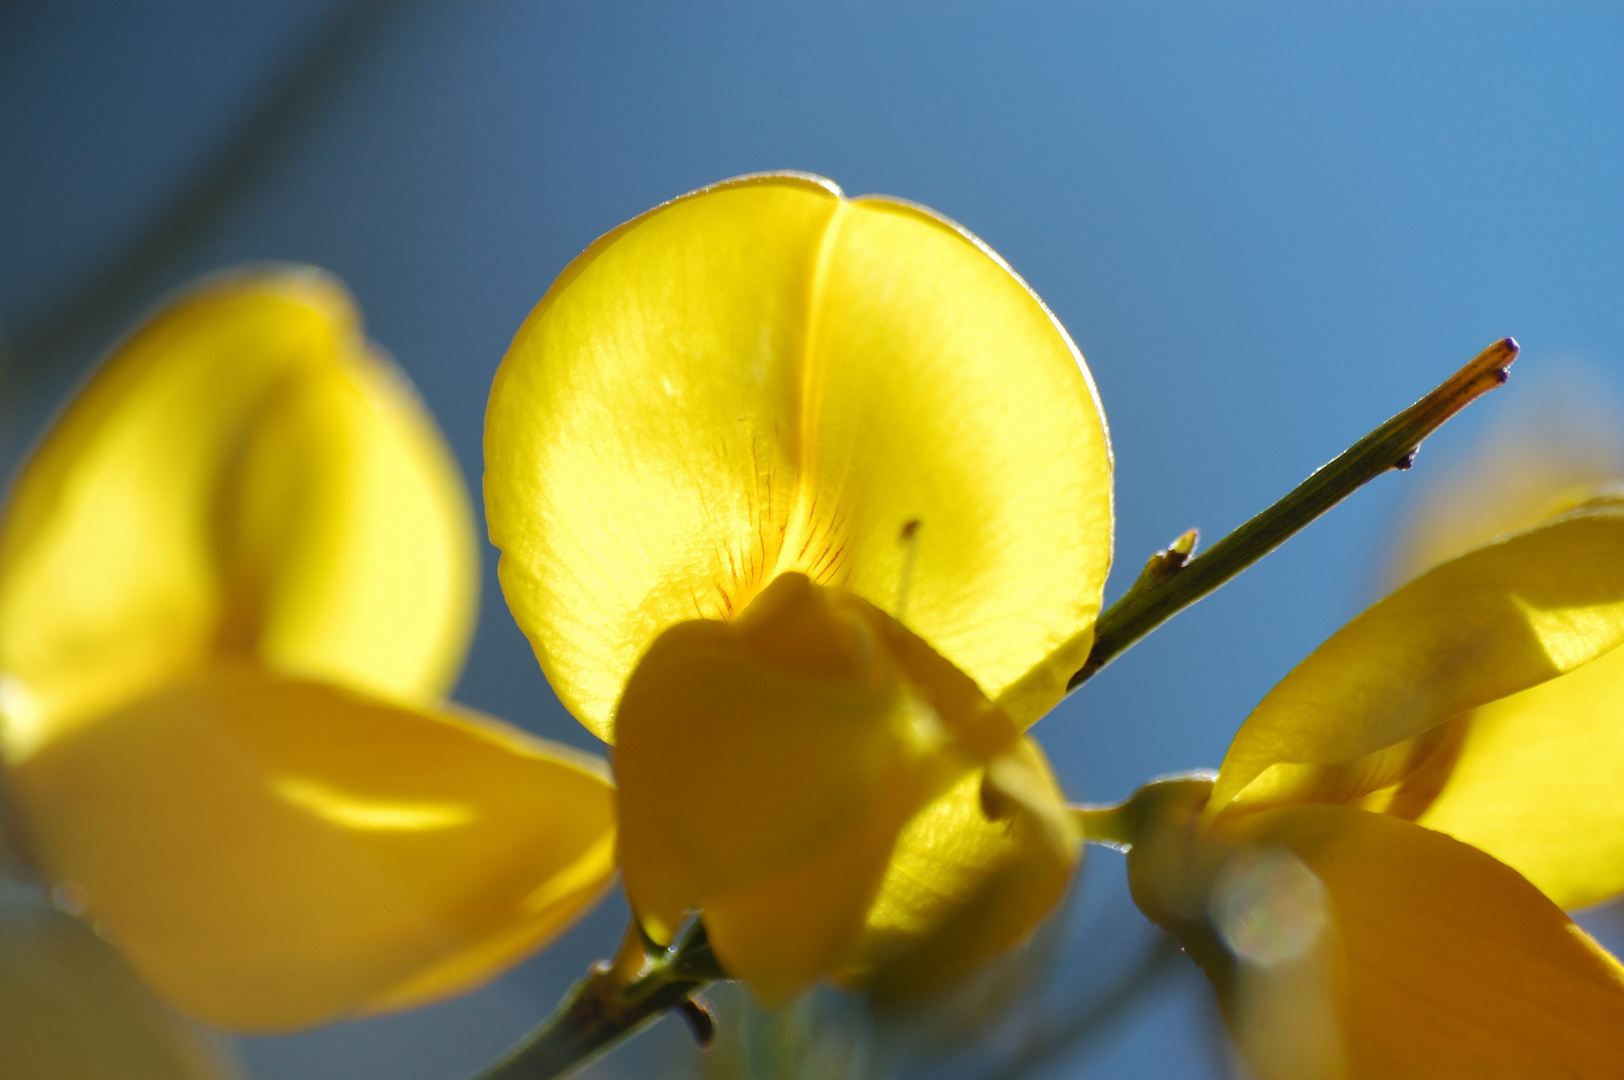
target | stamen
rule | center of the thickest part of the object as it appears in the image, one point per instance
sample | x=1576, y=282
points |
x=909, y=539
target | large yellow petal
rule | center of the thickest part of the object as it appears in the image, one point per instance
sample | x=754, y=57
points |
x=242, y=475
x=71, y=1010
x=760, y=378
x=767, y=766
x=272, y=852
x=1484, y=626
x=1451, y=965
x=962, y=886
x=1539, y=783
x=940, y=391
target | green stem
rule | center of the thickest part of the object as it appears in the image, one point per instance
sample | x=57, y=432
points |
x=1169, y=583
x=1107, y=825
x=614, y=1001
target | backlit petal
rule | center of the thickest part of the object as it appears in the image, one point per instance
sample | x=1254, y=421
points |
x=71, y=1010
x=1451, y=964
x=766, y=767
x=242, y=476
x=762, y=377
x=349, y=551
x=1537, y=783
x=271, y=852
x=963, y=887
x=1484, y=626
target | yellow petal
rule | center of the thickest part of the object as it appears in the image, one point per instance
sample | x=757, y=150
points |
x=271, y=852
x=348, y=553
x=71, y=1010
x=1493, y=622
x=242, y=476
x=760, y=378
x=767, y=765
x=1452, y=965
x=1537, y=784
x=963, y=887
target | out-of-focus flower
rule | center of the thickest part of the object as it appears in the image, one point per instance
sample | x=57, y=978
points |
x=1559, y=436
x=1313, y=879
x=805, y=503
x=70, y=1009
x=236, y=578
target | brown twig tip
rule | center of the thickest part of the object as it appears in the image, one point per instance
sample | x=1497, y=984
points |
x=1486, y=371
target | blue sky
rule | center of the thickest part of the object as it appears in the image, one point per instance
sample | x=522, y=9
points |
x=1267, y=225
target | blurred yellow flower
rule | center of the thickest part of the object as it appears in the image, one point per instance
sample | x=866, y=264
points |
x=236, y=578
x=71, y=1010
x=805, y=504
x=1313, y=879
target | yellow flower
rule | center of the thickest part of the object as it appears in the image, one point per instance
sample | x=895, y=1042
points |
x=1363, y=878
x=804, y=502
x=236, y=578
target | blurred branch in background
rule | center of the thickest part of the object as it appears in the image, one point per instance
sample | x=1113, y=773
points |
x=1039, y=1008
x=108, y=301
x=1049, y=1037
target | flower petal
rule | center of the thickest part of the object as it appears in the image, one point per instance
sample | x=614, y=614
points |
x=71, y=1010
x=1452, y=964
x=272, y=852
x=1484, y=626
x=242, y=475
x=349, y=551
x=940, y=391
x=761, y=378
x=766, y=767
x=963, y=887
x=1537, y=784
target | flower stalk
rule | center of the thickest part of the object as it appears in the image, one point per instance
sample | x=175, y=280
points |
x=1172, y=581
x=614, y=1001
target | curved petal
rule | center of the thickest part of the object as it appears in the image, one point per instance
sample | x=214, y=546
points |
x=347, y=550
x=1451, y=964
x=962, y=886
x=766, y=767
x=760, y=378
x=241, y=474
x=71, y=1010
x=271, y=852
x=1493, y=622
x=1537, y=784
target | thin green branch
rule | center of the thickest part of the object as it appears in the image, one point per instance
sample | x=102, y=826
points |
x=1169, y=583
x=613, y=1002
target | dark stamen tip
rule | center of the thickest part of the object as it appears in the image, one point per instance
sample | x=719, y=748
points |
x=700, y=1020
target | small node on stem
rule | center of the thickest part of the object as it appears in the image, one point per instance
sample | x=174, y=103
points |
x=1171, y=559
x=700, y=1020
